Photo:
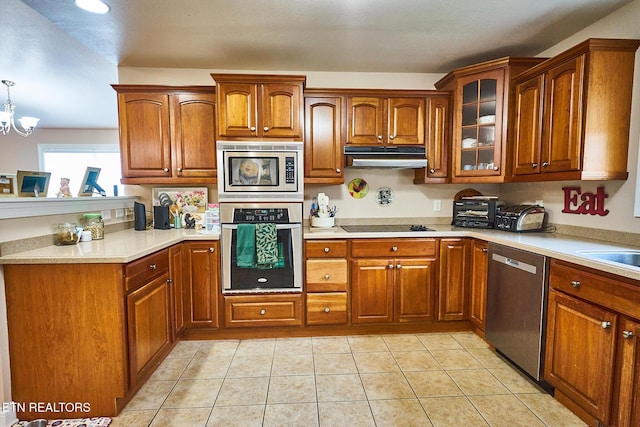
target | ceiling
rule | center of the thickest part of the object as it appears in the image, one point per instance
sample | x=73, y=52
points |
x=63, y=59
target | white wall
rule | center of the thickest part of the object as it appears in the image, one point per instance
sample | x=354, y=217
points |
x=621, y=24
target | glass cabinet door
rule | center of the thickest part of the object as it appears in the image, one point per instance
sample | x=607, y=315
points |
x=479, y=112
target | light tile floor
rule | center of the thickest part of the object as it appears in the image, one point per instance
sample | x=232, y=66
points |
x=436, y=379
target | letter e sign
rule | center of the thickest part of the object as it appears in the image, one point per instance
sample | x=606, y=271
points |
x=577, y=202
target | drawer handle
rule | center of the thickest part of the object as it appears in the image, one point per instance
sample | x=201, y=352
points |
x=627, y=334
x=605, y=325
x=575, y=283
x=327, y=309
x=152, y=266
x=326, y=250
x=263, y=312
x=394, y=249
x=212, y=249
x=326, y=277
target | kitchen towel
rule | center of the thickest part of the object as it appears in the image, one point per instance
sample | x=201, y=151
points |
x=246, y=245
x=266, y=245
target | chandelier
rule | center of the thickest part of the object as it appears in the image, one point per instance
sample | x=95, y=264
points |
x=6, y=117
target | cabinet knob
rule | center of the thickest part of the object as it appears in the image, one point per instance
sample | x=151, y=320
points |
x=534, y=165
x=379, y=137
x=212, y=249
x=252, y=128
x=263, y=312
x=545, y=164
x=266, y=128
x=627, y=334
x=327, y=309
x=575, y=283
x=432, y=170
x=392, y=137
x=152, y=266
x=338, y=170
x=496, y=168
x=605, y=325
x=326, y=277
x=390, y=266
x=398, y=265
x=166, y=169
x=485, y=250
x=394, y=249
x=326, y=250
x=179, y=169
x=169, y=281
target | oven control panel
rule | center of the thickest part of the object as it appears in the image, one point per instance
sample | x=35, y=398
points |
x=276, y=215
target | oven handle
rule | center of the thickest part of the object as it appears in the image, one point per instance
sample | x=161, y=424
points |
x=278, y=226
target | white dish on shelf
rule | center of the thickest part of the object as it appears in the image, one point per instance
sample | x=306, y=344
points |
x=469, y=142
x=486, y=119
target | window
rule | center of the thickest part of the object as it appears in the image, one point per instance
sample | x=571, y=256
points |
x=71, y=160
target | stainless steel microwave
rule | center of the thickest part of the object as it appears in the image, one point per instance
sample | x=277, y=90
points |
x=260, y=171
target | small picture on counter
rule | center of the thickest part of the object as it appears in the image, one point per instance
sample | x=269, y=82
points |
x=358, y=188
x=384, y=196
x=182, y=201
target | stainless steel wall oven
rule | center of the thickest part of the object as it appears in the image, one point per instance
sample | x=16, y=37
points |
x=250, y=229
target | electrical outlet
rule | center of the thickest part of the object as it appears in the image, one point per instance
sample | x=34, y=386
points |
x=437, y=205
x=119, y=213
x=539, y=203
x=106, y=215
x=128, y=213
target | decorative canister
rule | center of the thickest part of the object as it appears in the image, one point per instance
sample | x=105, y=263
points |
x=94, y=223
x=68, y=233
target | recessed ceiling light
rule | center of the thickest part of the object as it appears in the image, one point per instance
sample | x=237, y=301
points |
x=93, y=6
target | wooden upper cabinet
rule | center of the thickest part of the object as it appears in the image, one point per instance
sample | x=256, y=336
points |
x=481, y=99
x=438, y=135
x=573, y=114
x=260, y=106
x=376, y=120
x=167, y=134
x=324, y=160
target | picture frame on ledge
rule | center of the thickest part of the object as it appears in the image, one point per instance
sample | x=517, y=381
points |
x=8, y=185
x=89, y=184
x=33, y=183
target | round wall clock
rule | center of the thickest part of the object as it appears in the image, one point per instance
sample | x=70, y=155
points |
x=384, y=196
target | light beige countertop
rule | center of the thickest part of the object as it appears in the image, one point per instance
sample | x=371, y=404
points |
x=119, y=247
x=129, y=245
x=559, y=246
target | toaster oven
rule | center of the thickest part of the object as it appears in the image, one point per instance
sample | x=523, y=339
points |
x=520, y=218
x=475, y=213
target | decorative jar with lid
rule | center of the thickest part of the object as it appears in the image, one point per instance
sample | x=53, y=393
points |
x=94, y=223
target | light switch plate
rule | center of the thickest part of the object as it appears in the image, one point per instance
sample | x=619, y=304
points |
x=437, y=205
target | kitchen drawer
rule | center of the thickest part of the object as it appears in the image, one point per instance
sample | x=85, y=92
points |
x=263, y=310
x=326, y=275
x=393, y=247
x=326, y=249
x=607, y=290
x=327, y=308
x=141, y=271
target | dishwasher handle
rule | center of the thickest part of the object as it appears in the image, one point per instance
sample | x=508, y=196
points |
x=511, y=262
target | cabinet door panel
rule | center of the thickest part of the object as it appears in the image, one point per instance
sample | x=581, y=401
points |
x=562, y=129
x=479, y=264
x=365, y=120
x=406, y=121
x=145, y=143
x=580, y=353
x=237, y=109
x=453, y=294
x=372, y=291
x=194, y=118
x=323, y=141
x=414, y=289
x=281, y=115
x=148, y=326
x=176, y=276
x=627, y=408
x=438, y=137
x=202, y=284
x=528, y=126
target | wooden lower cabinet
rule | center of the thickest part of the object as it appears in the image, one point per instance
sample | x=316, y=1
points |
x=326, y=308
x=202, y=284
x=393, y=289
x=326, y=282
x=453, y=284
x=176, y=287
x=478, y=299
x=593, y=354
x=263, y=310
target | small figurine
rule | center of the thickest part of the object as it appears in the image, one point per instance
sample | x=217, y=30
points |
x=64, y=188
x=189, y=221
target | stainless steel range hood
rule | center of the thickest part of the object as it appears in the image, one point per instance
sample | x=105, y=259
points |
x=385, y=156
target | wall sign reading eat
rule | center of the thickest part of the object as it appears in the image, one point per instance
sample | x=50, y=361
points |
x=588, y=203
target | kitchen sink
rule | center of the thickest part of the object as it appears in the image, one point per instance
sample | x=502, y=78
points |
x=629, y=257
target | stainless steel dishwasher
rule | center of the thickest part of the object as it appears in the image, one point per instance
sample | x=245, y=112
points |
x=516, y=306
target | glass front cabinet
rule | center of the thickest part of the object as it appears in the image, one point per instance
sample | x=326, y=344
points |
x=479, y=151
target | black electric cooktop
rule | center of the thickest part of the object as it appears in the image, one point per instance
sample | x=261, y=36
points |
x=383, y=228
